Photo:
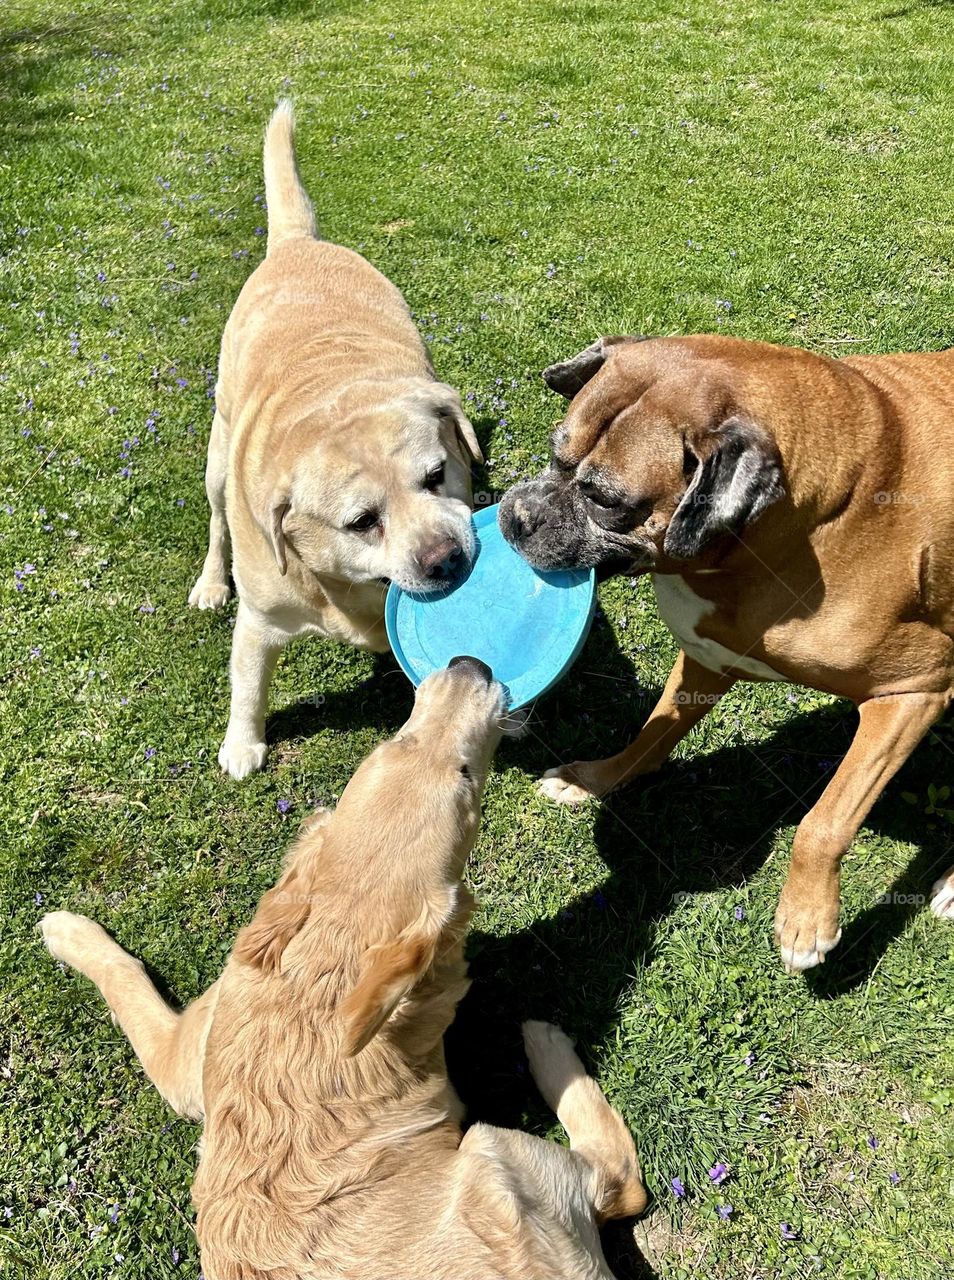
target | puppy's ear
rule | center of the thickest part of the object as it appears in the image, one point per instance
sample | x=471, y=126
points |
x=276, y=532
x=570, y=376
x=388, y=972
x=281, y=915
x=283, y=910
x=733, y=484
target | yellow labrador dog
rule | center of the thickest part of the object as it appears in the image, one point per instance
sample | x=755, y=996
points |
x=336, y=461
x=333, y=1145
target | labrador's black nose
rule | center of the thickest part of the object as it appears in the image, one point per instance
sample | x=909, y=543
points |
x=472, y=666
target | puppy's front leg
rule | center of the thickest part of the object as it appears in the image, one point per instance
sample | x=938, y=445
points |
x=690, y=693
x=255, y=650
x=889, y=728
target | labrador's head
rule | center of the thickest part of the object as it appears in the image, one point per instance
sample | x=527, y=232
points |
x=655, y=461
x=384, y=492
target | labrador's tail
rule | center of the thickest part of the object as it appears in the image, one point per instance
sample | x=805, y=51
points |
x=289, y=209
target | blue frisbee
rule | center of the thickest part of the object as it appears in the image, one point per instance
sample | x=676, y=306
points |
x=527, y=624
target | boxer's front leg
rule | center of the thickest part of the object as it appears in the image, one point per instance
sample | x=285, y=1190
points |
x=690, y=693
x=806, y=922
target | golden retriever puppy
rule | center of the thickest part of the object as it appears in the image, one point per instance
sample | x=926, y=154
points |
x=336, y=461
x=333, y=1144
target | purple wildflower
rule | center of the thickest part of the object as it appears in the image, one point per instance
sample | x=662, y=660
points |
x=678, y=1189
x=114, y=1214
x=725, y=1211
x=894, y=1178
x=38, y=899
x=739, y=913
x=788, y=1231
x=874, y=1144
x=283, y=805
x=718, y=1173
x=150, y=752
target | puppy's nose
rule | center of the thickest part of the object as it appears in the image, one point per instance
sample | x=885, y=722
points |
x=472, y=667
x=441, y=560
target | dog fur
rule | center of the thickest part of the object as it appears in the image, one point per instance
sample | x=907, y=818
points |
x=332, y=1144
x=336, y=460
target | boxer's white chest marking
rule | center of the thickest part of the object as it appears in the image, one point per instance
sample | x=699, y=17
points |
x=682, y=611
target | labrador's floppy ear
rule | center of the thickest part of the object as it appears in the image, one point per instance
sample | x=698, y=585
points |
x=567, y=377
x=388, y=972
x=733, y=484
x=446, y=403
x=276, y=532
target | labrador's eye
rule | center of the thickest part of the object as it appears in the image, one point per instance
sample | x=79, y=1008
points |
x=365, y=521
x=434, y=478
x=465, y=771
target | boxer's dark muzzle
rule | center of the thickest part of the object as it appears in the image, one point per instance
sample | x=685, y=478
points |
x=547, y=521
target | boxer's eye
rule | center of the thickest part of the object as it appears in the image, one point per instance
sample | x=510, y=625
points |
x=689, y=462
x=598, y=499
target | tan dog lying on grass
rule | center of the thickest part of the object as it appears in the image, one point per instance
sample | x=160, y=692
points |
x=332, y=1143
x=336, y=460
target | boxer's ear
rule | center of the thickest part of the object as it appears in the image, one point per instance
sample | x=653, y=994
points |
x=570, y=376
x=738, y=475
x=567, y=377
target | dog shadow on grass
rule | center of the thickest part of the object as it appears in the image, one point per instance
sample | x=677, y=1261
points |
x=701, y=824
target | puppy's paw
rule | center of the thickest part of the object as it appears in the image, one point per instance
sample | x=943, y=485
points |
x=805, y=930
x=210, y=595
x=553, y=1060
x=239, y=759
x=563, y=786
x=942, y=897
x=73, y=939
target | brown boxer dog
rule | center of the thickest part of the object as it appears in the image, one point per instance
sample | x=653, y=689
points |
x=797, y=515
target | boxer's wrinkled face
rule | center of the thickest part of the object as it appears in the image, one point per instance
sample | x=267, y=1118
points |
x=651, y=462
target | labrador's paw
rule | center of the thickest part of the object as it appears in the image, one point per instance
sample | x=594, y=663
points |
x=210, y=595
x=942, y=897
x=806, y=929
x=239, y=759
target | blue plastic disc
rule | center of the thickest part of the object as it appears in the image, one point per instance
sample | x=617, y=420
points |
x=526, y=624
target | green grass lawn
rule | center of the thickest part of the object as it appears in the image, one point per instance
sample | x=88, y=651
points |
x=530, y=175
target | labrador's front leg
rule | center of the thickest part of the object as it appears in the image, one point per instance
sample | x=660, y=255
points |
x=255, y=650
x=690, y=693
x=806, y=922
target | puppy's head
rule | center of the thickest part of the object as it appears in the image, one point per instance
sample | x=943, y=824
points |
x=383, y=492
x=381, y=875
x=655, y=461
x=422, y=790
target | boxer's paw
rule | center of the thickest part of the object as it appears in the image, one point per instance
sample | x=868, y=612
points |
x=942, y=897
x=806, y=927
x=570, y=784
